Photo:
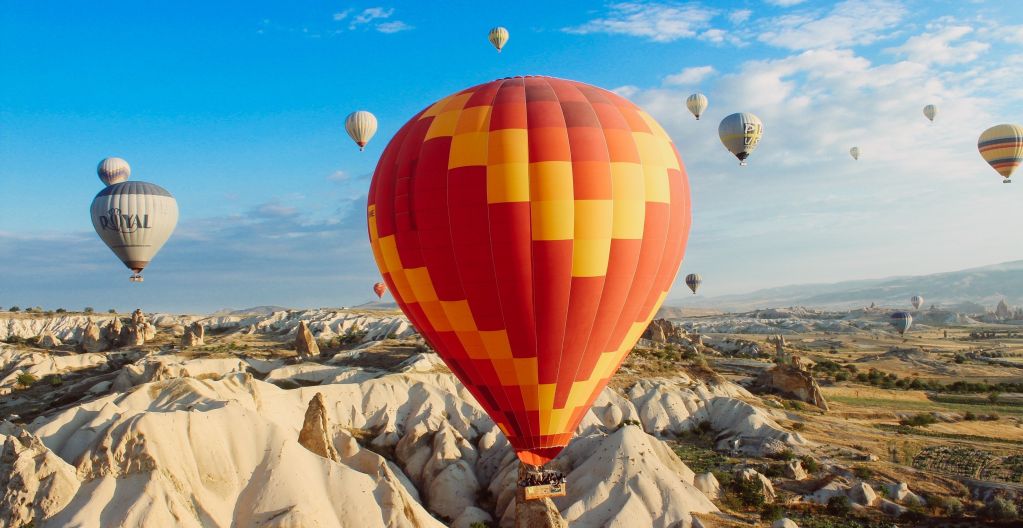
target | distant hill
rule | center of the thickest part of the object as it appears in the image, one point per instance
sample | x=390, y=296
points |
x=969, y=290
x=255, y=310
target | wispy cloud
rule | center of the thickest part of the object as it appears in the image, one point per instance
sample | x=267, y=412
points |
x=393, y=26
x=739, y=16
x=379, y=18
x=785, y=3
x=659, y=22
x=341, y=15
x=339, y=176
x=690, y=76
x=938, y=46
x=850, y=23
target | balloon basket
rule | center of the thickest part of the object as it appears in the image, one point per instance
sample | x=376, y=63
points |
x=1006, y=181
x=743, y=163
x=136, y=278
x=542, y=485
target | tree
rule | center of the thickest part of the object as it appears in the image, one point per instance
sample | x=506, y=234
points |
x=15, y=308
x=26, y=380
x=112, y=310
x=88, y=310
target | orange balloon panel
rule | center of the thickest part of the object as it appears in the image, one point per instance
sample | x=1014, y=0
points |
x=530, y=228
x=379, y=289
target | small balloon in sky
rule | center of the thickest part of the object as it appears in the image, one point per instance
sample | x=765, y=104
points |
x=113, y=170
x=1001, y=146
x=498, y=37
x=697, y=104
x=855, y=153
x=361, y=125
x=740, y=133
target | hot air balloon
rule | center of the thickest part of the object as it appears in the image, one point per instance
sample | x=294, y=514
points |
x=113, y=170
x=361, y=125
x=917, y=302
x=134, y=219
x=855, y=153
x=697, y=104
x=901, y=321
x=1001, y=146
x=530, y=228
x=379, y=289
x=498, y=37
x=930, y=112
x=740, y=134
x=694, y=280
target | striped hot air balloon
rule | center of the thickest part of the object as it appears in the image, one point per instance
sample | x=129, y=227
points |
x=901, y=321
x=134, y=219
x=740, y=134
x=1001, y=146
x=917, y=301
x=361, y=125
x=530, y=228
x=697, y=104
x=113, y=170
x=498, y=37
x=379, y=289
x=694, y=280
x=930, y=112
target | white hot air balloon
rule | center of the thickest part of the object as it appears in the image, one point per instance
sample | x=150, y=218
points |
x=134, y=219
x=361, y=125
x=113, y=170
x=697, y=104
x=917, y=301
x=855, y=153
x=498, y=37
x=740, y=133
x=930, y=112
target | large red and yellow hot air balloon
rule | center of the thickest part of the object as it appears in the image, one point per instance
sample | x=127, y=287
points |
x=530, y=228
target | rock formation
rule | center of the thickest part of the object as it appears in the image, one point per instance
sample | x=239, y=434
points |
x=1002, y=310
x=794, y=470
x=315, y=434
x=765, y=484
x=708, y=484
x=194, y=335
x=305, y=343
x=901, y=493
x=792, y=382
x=113, y=331
x=132, y=335
x=861, y=493
x=48, y=340
x=91, y=339
x=784, y=522
x=36, y=483
x=663, y=331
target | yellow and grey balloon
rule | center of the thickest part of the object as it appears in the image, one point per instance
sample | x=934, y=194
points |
x=855, y=153
x=113, y=170
x=697, y=104
x=361, y=125
x=930, y=112
x=1001, y=146
x=134, y=219
x=740, y=133
x=498, y=37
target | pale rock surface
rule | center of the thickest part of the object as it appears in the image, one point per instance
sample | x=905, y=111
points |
x=542, y=513
x=765, y=484
x=470, y=516
x=15, y=361
x=48, y=340
x=132, y=335
x=784, y=522
x=305, y=343
x=708, y=484
x=91, y=339
x=315, y=434
x=901, y=493
x=36, y=483
x=892, y=508
x=834, y=487
x=862, y=493
x=794, y=470
x=193, y=335
x=792, y=382
x=113, y=331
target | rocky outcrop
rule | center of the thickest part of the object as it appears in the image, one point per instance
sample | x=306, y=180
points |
x=315, y=434
x=794, y=470
x=194, y=335
x=708, y=484
x=861, y=493
x=305, y=343
x=91, y=340
x=792, y=382
x=48, y=340
x=1002, y=311
x=663, y=331
x=784, y=522
x=750, y=474
x=113, y=331
x=36, y=483
x=900, y=493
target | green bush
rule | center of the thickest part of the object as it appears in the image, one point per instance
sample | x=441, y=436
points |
x=785, y=455
x=772, y=512
x=960, y=359
x=810, y=464
x=479, y=524
x=60, y=310
x=15, y=308
x=743, y=494
x=999, y=509
x=26, y=380
x=863, y=472
x=88, y=310
x=54, y=380
x=969, y=416
x=112, y=310
x=919, y=420
x=839, y=506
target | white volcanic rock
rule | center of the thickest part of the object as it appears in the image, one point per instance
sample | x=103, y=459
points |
x=794, y=470
x=156, y=368
x=48, y=340
x=15, y=361
x=470, y=516
x=708, y=484
x=91, y=340
x=67, y=328
x=315, y=434
x=36, y=483
x=900, y=493
x=784, y=522
x=892, y=508
x=834, y=488
x=305, y=343
x=862, y=493
x=765, y=484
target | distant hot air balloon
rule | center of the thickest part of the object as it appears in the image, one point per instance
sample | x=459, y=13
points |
x=530, y=228
x=901, y=321
x=361, y=125
x=1002, y=147
x=917, y=302
x=379, y=289
x=113, y=170
x=134, y=219
x=498, y=37
x=930, y=112
x=697, y=104
x=855, y=153
x=740, y=133
x=694, y=280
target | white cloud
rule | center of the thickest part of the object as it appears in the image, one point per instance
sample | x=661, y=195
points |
x=853, y=22
x=339, y=176
x=690, y=76
x=936, y=47
x=659, y=22
x=341, y=15
x=370, y=14
x=739, y=16
x=393, y=26
x=785, y=3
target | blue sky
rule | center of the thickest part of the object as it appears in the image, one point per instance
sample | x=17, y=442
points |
x=238, y=108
